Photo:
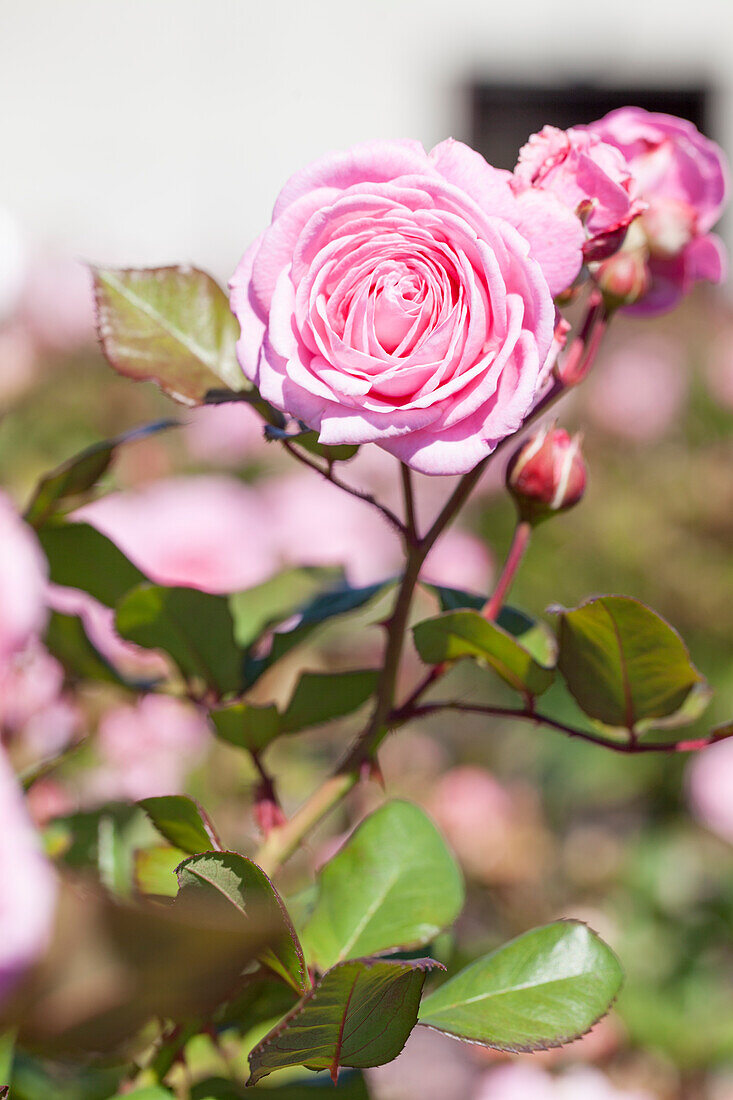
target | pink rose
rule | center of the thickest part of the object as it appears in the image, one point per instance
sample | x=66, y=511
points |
x=639, y=391
x=23, y=571
x=200, y=532
x=28, y=900
x=459, y=560
x=405, y=298
x=589, y=176
x=683, y=176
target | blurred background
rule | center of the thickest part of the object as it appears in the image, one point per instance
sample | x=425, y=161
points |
x=149, y=132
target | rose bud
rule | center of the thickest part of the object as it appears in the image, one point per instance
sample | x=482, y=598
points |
x=624, y=278
x=546, y=474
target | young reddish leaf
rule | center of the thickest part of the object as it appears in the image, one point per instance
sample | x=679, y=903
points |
x=359, y=1014
x=171, y=326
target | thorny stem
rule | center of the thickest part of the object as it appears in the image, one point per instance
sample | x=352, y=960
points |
x=282, y=841
x=329, y=475
x=630, y=747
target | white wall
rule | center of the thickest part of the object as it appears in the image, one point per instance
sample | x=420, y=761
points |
x=147, y=131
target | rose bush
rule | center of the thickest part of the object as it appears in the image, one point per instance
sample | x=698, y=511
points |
x=405, y=298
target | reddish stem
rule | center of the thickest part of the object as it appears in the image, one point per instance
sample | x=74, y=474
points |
x=517, y=550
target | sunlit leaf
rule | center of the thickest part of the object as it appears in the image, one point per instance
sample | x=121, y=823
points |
x=393, y=884
x=171, y=326
x=522, y=658
x=623, y=663
x=543, y=989
x=359, y=1014
x=182, y=822
x=154, y=870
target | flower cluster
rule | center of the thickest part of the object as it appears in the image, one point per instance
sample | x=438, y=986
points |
x=409, y=298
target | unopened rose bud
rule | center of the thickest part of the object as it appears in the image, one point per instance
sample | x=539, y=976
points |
x=546, y=474
x=624, y=278
x=669, y=225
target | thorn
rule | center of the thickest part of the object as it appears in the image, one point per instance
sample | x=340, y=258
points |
x=334, y=1071
x=372, y=770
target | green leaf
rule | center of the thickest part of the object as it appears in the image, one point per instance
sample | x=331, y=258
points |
x=67, y=640
x=81, y=557
x=623, y=663
x=522, y=658
x=194, y=628
x=171, y=326
x=73, y=479
x=246, y=886
x=543, y=989
x=359, y=1014
x=257, y=609
x=319, y=697
x=455, y=599
x=247, y=726
x=393, y=884
x=340, y=601
x=154, y=870
x=182, y=822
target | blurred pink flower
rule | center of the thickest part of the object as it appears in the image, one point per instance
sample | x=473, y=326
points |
x=494, y=831
x=27, y=902
x=22, y=581
x=57, y=304
x=226, y=434
x=313, y=523
x=147, y=749
x=32, y=706
x=459, y=560
x=209, y=532
x=638, y=391
x=519, y=1081
x=431, y=1067
x=710, y=788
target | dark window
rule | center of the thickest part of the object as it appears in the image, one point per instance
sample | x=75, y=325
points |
x=504, y=115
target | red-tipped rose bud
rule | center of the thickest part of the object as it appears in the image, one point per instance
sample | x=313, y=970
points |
x=624, y=278
x=546, y=474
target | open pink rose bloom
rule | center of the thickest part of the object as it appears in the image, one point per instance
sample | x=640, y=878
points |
x=405, y=298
